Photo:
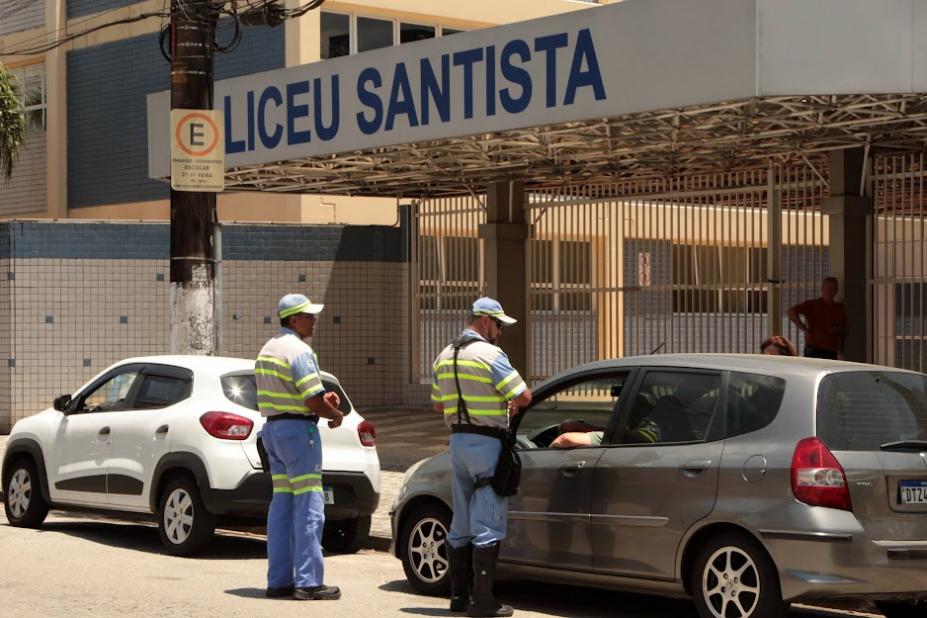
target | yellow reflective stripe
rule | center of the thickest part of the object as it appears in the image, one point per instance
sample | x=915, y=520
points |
x=461, y=363
x=475, y=398
x=283, y=490
x=478, y=412
x=277, y=477
x=275, y=361
x=278, y=395
x=311, y=376
x=271, y=372
x=304, y=490
x=516, y=390
x=437, y=397
x=303, y=477
x=435, y=387
x=281, y=407
x=312, y=392
x=465, y=376
x=294, y=310
x=506, y=380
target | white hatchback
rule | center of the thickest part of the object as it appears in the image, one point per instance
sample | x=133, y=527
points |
x=177, y=438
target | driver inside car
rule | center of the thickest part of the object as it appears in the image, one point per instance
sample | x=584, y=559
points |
x=641, y=430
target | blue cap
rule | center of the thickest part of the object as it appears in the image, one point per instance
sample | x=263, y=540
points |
x=291, y=304
x=491, y=307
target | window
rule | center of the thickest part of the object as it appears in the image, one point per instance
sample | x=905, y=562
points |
x=111, y=395
x=585, y=406
x=30, y=86
x=335, y=35
x=561, y=275
x=449, y=271
x=450, y=31
x=409, y=33
x=242, y=390
x=752, y=402
x=715, y=279
x=861, y=410
x=672, y=406
x=373, y=33
x=161, y=392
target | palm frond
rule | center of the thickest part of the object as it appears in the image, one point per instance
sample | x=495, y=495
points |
x=12, y=122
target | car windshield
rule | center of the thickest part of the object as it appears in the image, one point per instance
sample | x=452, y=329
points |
x=242, y=389
x=862, y=410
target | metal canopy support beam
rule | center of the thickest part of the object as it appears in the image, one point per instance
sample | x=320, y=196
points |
x=774, y=251
x=850, y=250
x=505, y=236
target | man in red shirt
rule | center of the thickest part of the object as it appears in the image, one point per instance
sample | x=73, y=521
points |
x=824, y=324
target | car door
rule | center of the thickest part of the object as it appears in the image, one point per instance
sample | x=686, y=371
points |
x=82, y=444
x=141, y=435
x=659, y=473
x=548, y=520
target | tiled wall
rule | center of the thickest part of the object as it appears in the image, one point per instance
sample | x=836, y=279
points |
x=19, y=15
x=76, y=297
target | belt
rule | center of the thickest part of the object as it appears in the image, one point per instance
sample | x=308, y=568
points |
x=293, y=417
x=492, y=432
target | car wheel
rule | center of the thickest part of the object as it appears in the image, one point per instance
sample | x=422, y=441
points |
x=186, y=527
x=733, y=577
x=345, y=536
x=902, y=609
x=24, y=505
x=423, y=549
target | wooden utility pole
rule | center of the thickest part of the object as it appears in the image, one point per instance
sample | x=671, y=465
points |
x=193, y=214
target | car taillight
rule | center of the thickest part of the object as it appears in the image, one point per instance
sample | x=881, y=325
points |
x=817, y=477
x=367, y=433
x=226, y=425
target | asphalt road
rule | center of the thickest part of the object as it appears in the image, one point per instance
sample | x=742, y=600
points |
x=75, y=567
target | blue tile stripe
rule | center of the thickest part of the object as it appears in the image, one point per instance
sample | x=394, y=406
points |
x=151, y=241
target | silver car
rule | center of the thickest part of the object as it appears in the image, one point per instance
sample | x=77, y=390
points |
x=743, y=481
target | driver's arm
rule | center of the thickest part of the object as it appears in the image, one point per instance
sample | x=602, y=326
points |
x=572, y=439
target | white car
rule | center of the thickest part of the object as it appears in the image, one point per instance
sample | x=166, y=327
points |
x=177, y=438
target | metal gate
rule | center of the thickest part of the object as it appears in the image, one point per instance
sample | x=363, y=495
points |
x=898, y=285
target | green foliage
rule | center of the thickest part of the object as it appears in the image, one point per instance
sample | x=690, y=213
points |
x=12, y=122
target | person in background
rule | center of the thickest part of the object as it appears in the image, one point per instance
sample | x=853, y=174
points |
x=824, y=323
x=777, y=345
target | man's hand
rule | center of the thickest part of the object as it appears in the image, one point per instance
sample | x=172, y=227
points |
x=513, y=409
x=335, y=422
x=332, y=398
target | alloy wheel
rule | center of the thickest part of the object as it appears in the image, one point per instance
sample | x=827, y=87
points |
x=427, y=550
x=178, y=516
x=731, y=583
x=20, y=490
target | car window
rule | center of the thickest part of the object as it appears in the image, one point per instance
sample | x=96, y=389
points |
x=752, y=402
x=161, y=391
x=111, y=395
x=582, y=407
x=671, y=406
x=861, y=410
x=242, y=389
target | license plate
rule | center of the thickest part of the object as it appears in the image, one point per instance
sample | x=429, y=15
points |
x=913, y=492
x=328, y=495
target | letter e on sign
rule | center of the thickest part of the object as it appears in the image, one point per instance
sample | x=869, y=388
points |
x=197, y=150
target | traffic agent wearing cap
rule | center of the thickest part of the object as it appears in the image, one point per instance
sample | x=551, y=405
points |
x=492, y=307
x=291, y=304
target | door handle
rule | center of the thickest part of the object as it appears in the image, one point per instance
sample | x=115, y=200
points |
x=103, y=432
x=161, y=430
x=571, y=468
x=695, y=466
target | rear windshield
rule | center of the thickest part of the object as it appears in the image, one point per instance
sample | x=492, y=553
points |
x=861, y=410
x=242, y=389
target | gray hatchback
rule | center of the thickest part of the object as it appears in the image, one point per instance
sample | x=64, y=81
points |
x=744, y=481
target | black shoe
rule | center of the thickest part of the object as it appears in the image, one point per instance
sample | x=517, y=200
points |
x=279, y=593
x=482, y=600
x=317, y=593
x=460, y=571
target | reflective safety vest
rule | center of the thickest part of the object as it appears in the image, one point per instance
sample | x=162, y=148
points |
x=487, y=381
x=287, y=373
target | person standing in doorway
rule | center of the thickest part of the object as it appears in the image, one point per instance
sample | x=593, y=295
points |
x=824, y=322
x=292, y=398
x=477, y=390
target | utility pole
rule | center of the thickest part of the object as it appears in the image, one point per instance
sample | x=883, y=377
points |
x=193, y=214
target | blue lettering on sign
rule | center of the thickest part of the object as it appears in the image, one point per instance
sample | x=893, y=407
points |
x=491, y=80
x=585, y=50
x=231, y=145
x=329, y=132
x=467, y=59
x=550, y=45
x=251, y=122
x=269, y=140
x=430, y=91
x=405, y=104
x=295, y=112
x=516, y=75
x=369, y=99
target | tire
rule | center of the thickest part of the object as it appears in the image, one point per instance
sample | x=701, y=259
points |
x=735, y=567
x=185, y=526
x=902, y=609
x=346, y=536
x=423, y=550
x=24, y=504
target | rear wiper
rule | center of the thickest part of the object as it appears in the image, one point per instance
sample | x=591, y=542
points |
x=903, y=445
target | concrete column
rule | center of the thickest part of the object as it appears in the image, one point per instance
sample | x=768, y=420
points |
x=56, y=113
x=850, y=250
x=506, y=234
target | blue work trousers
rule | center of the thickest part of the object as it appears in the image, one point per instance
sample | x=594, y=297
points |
x=479, y=514
x=297, y=510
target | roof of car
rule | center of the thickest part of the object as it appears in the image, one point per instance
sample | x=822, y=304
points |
x=213, y=364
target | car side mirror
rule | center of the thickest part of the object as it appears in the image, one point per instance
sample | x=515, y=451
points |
x=61, y=403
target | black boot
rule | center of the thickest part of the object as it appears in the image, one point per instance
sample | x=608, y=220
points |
x=460, y=563
x=482, y=600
